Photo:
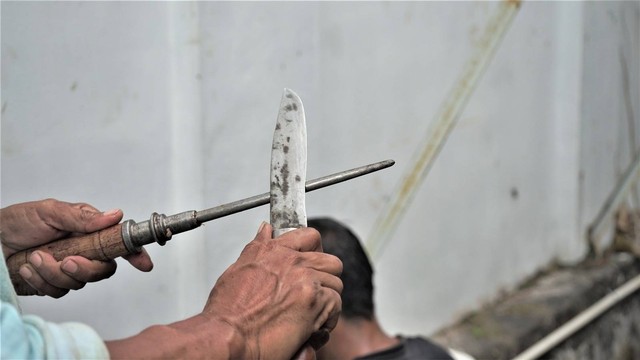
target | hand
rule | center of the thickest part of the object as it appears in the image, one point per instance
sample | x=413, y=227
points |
x=280, y=294
x=25, y=225
x=279, y=299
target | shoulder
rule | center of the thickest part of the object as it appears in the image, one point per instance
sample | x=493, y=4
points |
x=420, y=348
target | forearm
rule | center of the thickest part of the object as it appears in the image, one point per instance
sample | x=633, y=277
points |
x=196, y=337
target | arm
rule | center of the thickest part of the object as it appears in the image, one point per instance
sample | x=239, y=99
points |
x=280, y=294
x=31, y=337
x=30, y=224
x=276, y=296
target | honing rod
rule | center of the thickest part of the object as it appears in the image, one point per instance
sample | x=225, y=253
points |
x=128, y=237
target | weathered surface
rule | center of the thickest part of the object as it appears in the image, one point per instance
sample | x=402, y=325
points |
x=615, y=335
x=505, y=328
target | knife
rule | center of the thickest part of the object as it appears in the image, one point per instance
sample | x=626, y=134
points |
x=288, y=175
x=288, y=166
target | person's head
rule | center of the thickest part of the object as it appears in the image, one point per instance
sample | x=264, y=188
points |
x=357, y=273
x=352, y=336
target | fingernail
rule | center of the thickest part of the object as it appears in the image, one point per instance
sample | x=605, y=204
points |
x=261, y=227
x=35, y=259
x=25, y=272
x=70, y=266
x=110, y=212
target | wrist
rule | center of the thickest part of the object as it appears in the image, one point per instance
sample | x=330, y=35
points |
x=223, y=340
x=191, y=338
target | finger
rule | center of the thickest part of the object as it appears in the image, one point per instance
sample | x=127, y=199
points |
x=77, y=218
x=328, y=315
x=318, y=339
x=322, y=262
x=48, y=269
x=303, y=239
x=264, y=232
x=330, y=281
x=141, y=261
x=31, y=277
x=85, y=270
x=98, y=220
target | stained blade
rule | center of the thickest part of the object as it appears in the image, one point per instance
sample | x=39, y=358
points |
x=289, y=166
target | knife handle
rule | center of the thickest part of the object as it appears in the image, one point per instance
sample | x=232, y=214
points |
x=102, y=245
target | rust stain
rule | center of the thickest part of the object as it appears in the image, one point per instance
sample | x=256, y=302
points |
x=444, y=123
x=516, y=3
x=285, y=175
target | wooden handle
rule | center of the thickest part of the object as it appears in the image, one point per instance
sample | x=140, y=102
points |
x=103, y=245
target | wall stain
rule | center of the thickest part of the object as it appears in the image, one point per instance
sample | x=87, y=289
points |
x=514, y=193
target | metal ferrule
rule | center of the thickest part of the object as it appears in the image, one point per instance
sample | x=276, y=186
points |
x=160, y=228
x=128, y=239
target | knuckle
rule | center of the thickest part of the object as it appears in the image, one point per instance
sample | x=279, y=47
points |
x=338, y=286
x=35, y=282
x=334, y=263
x=100, y=273
x=107, y=274
x=49, y=202
x=310, y=291
x=315, y=237
x=296, y=260
x=254, y=247
x=87, y=215
x=80, y=286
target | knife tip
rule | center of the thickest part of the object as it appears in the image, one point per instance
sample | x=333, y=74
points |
x=288, y=93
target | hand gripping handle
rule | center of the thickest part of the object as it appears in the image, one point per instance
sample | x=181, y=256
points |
x=103, y=245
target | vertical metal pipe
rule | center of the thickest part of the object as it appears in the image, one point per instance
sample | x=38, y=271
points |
x=598, y=228
x=441, y=127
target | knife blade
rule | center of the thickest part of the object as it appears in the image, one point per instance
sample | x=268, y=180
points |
x=288, y=166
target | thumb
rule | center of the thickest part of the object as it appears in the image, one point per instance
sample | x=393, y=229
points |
x=79, y=217
x=141, y=261
x=264, y=232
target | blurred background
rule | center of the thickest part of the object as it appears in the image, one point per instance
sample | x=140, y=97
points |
x=171, y=106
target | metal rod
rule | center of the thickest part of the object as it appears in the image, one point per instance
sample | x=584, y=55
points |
x=263, y=199
x=581, y=320
x=597, y=228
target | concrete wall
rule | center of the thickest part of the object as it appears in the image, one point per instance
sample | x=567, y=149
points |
x=171, y=106
x=517, y=324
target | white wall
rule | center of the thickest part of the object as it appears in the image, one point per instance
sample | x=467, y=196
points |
x=171, y=106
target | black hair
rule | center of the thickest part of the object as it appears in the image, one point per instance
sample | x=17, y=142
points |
x=357, y=273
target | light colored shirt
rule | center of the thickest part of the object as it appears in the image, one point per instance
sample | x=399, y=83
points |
x=30, y=337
